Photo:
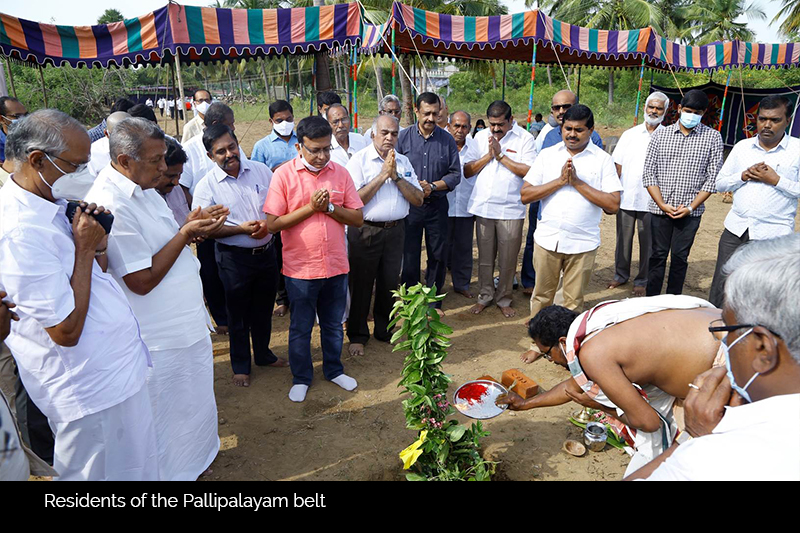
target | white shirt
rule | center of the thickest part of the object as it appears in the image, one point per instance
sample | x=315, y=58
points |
x=542, y=134
x=753, y=442
x=459, y=197
x=388, y=204
x=767, y=211
x=37, y=257
x=100, y=154
x=172, y=315
x=198, y=164
x=244, y=195
x=496, y=191
x=357, y=143
x=192, y=129
x=629, y=154
x=570, y=223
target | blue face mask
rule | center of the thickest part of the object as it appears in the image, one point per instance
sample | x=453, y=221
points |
x=742, y=391
x=690, y=120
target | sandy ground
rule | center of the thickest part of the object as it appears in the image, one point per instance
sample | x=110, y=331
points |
x=339, y=435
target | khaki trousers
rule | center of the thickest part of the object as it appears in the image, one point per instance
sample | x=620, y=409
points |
x=500, y=240
x=576, y=269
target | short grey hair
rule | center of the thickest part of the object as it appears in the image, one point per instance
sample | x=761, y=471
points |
x=375, y=123
x=763, y=287
x=389, y=98
x=44, y=130
x=658, y=95
x=454, y=113
x=129, y=135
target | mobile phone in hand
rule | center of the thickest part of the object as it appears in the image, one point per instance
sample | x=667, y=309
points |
x=105, y=219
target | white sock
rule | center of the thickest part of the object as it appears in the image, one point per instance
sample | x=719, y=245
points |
x=298, y=393
x=345, y=382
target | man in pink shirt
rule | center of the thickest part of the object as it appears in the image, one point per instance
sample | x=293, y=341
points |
x=310, y=201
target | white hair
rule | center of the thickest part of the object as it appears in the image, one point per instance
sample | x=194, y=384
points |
x=375, y=123
x=763, y=287
x=389, y=98
x=44, y=130
x=129, y=135
x=661, y=97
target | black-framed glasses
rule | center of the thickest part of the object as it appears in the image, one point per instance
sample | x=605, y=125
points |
x=79, y=167
x=718, y=325
x=547, y=355
x=562, y=106
x=316, y=151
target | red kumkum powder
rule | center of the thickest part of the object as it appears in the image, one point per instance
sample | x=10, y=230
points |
x=472, y=392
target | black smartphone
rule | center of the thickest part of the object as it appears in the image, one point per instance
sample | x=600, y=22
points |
x=104, y=219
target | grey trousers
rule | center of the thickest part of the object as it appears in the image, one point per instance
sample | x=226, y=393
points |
x=627, y=222
x=498, y=240
x=728, y=243
x=459, y=250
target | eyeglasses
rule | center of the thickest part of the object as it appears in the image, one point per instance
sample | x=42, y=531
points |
x=316, y=151
x=12, y=116
x=718, y=325
x=562, y=106
x=547, y=355
x=395, y=112
x=79, y=167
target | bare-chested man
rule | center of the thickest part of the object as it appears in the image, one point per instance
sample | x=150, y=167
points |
x=631, y=359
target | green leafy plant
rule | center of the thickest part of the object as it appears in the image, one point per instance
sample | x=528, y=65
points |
x=445, y=449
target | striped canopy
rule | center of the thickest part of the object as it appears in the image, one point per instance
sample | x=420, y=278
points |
x=197, y=34
x=511, y=37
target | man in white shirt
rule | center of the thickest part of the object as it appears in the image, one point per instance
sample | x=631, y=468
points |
x=344, y=143
x=149, y=102
x=193, y=128
x=244, y=249
x=461, y=226
x=101, y=156
x=633, y=214
x=170, y=108
x=149, y=256
x=505, y=152
x=161, y=103
x=77, y=344
x=763, y=171
x=745, y=423
x=387, y=185
x=576, y=181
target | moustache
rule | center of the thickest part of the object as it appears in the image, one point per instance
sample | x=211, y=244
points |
x=230, y=159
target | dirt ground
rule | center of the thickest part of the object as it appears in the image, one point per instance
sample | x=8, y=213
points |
x=339, y=435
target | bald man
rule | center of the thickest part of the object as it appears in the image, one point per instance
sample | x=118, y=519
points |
x=100, y=151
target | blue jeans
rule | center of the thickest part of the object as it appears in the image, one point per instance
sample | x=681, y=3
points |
x=310, y=298
x=528, y=274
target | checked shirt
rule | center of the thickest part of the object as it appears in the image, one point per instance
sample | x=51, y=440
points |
x=682, y=165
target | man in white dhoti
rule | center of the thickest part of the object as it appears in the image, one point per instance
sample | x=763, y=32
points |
x=149, y=257
x=77, y=343
x=630, y=359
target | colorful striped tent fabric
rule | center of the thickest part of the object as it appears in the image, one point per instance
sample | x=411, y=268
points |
x=197, y=34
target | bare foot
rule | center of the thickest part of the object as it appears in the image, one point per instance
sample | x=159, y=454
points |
x=465, y=294
x=614, y=284
x=477, y=309
x=530, y=356
x=222, y=330
x=356, y=348
x=508, y=312
x=241, y=380
x=281, y=310
x=280, y=363
x=639, y=291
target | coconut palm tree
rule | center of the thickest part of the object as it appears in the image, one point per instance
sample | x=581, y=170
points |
x=714, y=20
x=791, y=24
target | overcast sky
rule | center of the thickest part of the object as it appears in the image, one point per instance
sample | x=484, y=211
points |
x=86, y=12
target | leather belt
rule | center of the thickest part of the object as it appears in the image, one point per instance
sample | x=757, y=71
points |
x=384, y=225
x=249, y=251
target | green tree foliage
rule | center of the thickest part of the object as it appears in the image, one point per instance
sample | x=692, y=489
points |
x=790, y=27
x=109, y=16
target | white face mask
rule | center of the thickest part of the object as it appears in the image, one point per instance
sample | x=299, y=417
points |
x=308, y=165
x=71, y=186
x=284, y=128
x=202, y=107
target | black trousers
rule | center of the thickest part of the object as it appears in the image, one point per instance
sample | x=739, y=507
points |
x=671, y=238
x=283, y=295
x=213, y=291
x=460, y=232
x=250, y=283
x=375, y=259
x=728, y=243
x=430, y=218
x=33, y=425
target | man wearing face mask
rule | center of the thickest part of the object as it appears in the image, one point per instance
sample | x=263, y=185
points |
x=633, y=214
x=680, y=170
x=764, y=173
x=11, y=110
x=195, y=127
x=744, y=417
x=245, y=250
x=77, y=344
x=279, y=146
x=310, y=201
x=630, y=359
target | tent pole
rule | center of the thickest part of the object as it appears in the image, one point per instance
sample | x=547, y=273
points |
x=724, y=97
x=579, y=83
x=504, y=82
x=533, y=78
x=286, y=81
x=11, y=78
x=394, y=67
x=639, y=94
x=172, y=96
x=313, y=87
x=180, y=88
x=355, y=88
x=44, y=90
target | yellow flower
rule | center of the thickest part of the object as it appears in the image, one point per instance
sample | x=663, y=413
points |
x=410, y=455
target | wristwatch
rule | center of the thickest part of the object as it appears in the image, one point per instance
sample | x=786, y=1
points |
x=331, y=207
x=500, y=156
x=433, y=187
x=397, y=177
